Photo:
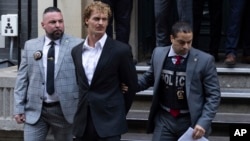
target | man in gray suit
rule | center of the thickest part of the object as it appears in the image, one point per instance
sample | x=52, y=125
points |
x=41, y=110
x=186, y=88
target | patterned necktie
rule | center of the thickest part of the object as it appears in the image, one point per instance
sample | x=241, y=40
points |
x=50, y=68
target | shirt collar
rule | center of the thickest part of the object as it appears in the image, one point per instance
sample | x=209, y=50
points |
x=47, y=41
x=172, y=53
x=99, y=43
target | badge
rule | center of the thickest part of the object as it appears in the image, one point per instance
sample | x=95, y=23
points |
x=180, y=94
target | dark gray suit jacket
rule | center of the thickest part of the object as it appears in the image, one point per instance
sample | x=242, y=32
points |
x=107, y=104
x=202, y=86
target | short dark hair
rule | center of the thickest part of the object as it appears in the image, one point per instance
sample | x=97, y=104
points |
x=181, y=27
x=51, y=9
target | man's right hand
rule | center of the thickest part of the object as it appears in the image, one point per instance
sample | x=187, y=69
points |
x=124, y=88
x=20, y=118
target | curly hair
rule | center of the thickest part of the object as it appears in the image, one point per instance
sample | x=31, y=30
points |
x=96, y=5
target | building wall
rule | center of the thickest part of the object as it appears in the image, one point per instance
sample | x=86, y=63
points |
x=72, y=15
x=28, y=28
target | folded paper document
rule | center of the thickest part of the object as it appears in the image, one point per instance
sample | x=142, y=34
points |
x=187, y=136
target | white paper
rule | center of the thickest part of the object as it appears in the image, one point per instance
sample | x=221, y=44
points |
x=187, y=136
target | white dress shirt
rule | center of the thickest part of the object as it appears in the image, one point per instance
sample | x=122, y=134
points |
x=91, y=55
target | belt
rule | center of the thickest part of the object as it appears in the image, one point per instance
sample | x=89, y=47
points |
x=52, y=104
x=181, y=111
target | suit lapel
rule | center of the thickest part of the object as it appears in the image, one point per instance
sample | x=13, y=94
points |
x=105, y=55
x=191, y=65
x=39, y=46
x=79, y=63
x=63, y=47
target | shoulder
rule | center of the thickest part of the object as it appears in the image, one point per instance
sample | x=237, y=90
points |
x=200, y=53
x=34, y=43
x=117, y=45
x=77, y=47
x=35, y=40
x=162, y=49
x=73, y=39
x=115, y=42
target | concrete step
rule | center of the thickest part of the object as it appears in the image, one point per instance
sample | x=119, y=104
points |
x=148, y=137
x=232, y=101
x=6, y=135
x=234, y=109
x=130, y=136
x=137, y=122
x=220, y=118
x=228, y=77
x=225, y=92
x=242, y=69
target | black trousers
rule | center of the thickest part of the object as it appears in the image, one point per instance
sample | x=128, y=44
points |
x=121, y=11
x=215, y=14
x=91, y=134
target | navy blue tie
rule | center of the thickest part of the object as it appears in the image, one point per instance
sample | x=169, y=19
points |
x=50, y=68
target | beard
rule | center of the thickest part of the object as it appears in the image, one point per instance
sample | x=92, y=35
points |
x=55, y=35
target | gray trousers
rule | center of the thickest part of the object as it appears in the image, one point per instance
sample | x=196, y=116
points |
x=51, y=119
x=169, y=128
